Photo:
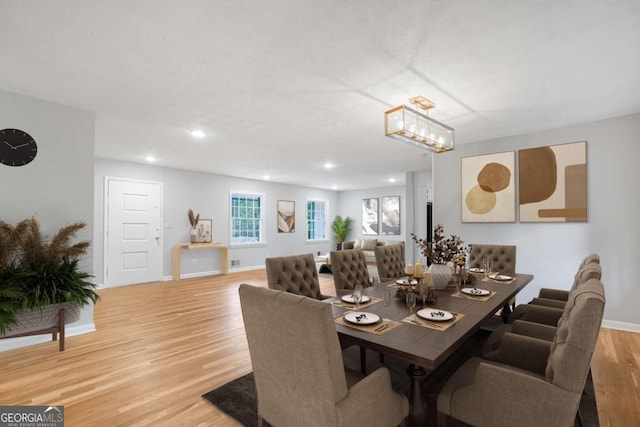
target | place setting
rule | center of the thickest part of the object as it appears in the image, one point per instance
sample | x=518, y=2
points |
x=367, y=322
x=474, y=293
x=351, y=302
x=433, y=318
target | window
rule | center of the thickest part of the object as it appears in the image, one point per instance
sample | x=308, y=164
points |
x=246, y=218
x=316, y=220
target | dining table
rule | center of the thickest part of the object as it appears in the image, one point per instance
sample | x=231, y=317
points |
x=425, y=345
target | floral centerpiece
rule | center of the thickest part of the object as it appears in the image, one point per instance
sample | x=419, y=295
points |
x=440, y=252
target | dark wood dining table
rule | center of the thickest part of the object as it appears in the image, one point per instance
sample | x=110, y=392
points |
x=424, y=348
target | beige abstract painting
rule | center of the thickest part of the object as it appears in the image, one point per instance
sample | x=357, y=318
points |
x=553, y=183
x=488, y=188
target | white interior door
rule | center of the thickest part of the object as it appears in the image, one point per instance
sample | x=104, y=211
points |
x=133, y=225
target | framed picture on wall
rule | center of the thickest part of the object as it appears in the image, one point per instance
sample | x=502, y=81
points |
x=390, y=215
x=553, y=183
x=369, y=216
x=286, y=216
x=488, y=188
x=204, y=230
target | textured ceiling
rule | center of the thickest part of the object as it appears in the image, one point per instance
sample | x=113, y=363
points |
x=281, y=87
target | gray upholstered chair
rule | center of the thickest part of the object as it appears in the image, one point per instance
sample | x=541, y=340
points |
x=539, y=321
x=296, y=274
x=548, y=311
x=558, y=297
x=349, y=268
x=503, y=257
x=531, y=382
x=390, y=261
x=504, y=261
x=298, y=367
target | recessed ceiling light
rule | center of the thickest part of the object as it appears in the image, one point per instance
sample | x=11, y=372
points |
x=328, y=165
x=266, y=177
x=197, y=133
x=150, y=158
x=392, y=180
x=335, y=187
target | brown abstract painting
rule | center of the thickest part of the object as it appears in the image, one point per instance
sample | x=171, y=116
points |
x=488, y=188
x=553, y=183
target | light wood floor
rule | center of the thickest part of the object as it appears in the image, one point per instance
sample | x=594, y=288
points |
x=160, y=346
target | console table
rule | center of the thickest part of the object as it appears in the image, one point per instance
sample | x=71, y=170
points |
x=224, y=255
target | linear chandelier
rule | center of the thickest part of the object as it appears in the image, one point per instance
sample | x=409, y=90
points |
x=414, y=126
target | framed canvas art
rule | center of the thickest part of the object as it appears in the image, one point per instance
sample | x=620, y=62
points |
x=488, y=188
x=369, y=216
x=286, y=216
x=553, y=183
x=390, y=215
x=203, y=231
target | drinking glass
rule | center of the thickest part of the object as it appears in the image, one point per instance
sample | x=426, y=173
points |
x=487, y=265
x=387, y=298
x=464, y=273
x=424, y=291
x=411, y=301
x=357, y=295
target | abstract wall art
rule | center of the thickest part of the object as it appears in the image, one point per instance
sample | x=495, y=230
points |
x=553, y=183
x=488, y=188
x=369, y=216
x=390, y=215
x=286, y=216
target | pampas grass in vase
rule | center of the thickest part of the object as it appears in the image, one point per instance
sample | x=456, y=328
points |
x=193, y=220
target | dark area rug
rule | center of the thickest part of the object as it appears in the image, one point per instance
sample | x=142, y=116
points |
x=238, y=397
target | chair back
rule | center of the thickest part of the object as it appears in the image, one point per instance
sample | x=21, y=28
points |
x=588, y=271
x=296, y=274
x=296, y=357
x=590, y=259
x=503, y=257
x=390, y=261
x=349, y=268
x=576, y=336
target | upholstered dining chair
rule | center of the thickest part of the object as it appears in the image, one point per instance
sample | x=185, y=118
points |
x=558, y=297
x=539, y=321
x=349, y=268
x=547, y=310
x=298, y=367
x=503, y=258
x=296, y=274
x=390, y=261
x=530, y=382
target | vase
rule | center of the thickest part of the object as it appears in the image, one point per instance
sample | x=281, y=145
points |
x=440, y=274
x=194, y=235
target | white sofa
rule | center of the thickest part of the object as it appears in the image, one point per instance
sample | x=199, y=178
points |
x=368, y=245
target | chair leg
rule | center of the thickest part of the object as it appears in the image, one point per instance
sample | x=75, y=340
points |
x=61, y=329
x=363, y=360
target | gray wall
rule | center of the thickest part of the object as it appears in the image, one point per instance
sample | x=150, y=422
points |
x=56, y=187
x=208, y=194
x=552, y=251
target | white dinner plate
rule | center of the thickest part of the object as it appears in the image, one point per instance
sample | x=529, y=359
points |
x=476, y=292
x=350, y=300
x=476, y=270
x=498, y=276
x=362, y=318
x=405, y=282
x=436, y=315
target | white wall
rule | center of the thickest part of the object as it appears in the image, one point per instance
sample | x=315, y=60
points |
x=56, y=187
x=208, y=195
x=552, y=251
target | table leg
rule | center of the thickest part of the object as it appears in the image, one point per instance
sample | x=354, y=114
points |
x=504, y=314
x=417, y=410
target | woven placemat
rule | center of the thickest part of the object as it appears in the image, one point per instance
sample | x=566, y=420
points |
x=381, y=328
x=414, y=319
x=349, y=306
x=459, y=294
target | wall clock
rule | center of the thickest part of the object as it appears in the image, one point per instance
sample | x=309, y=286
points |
x=17, y=148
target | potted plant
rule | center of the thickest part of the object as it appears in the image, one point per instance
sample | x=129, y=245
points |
x=341, y=227
x=39, y=276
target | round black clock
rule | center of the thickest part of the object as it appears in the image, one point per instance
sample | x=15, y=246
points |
x=17, y=148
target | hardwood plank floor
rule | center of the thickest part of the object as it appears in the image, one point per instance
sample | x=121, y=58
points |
x=160, y=346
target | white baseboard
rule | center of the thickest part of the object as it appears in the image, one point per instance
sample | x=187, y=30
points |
x=70, y=331
x=623, y=326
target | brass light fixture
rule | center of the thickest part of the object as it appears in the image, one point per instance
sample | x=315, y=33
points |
x=414, y=126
